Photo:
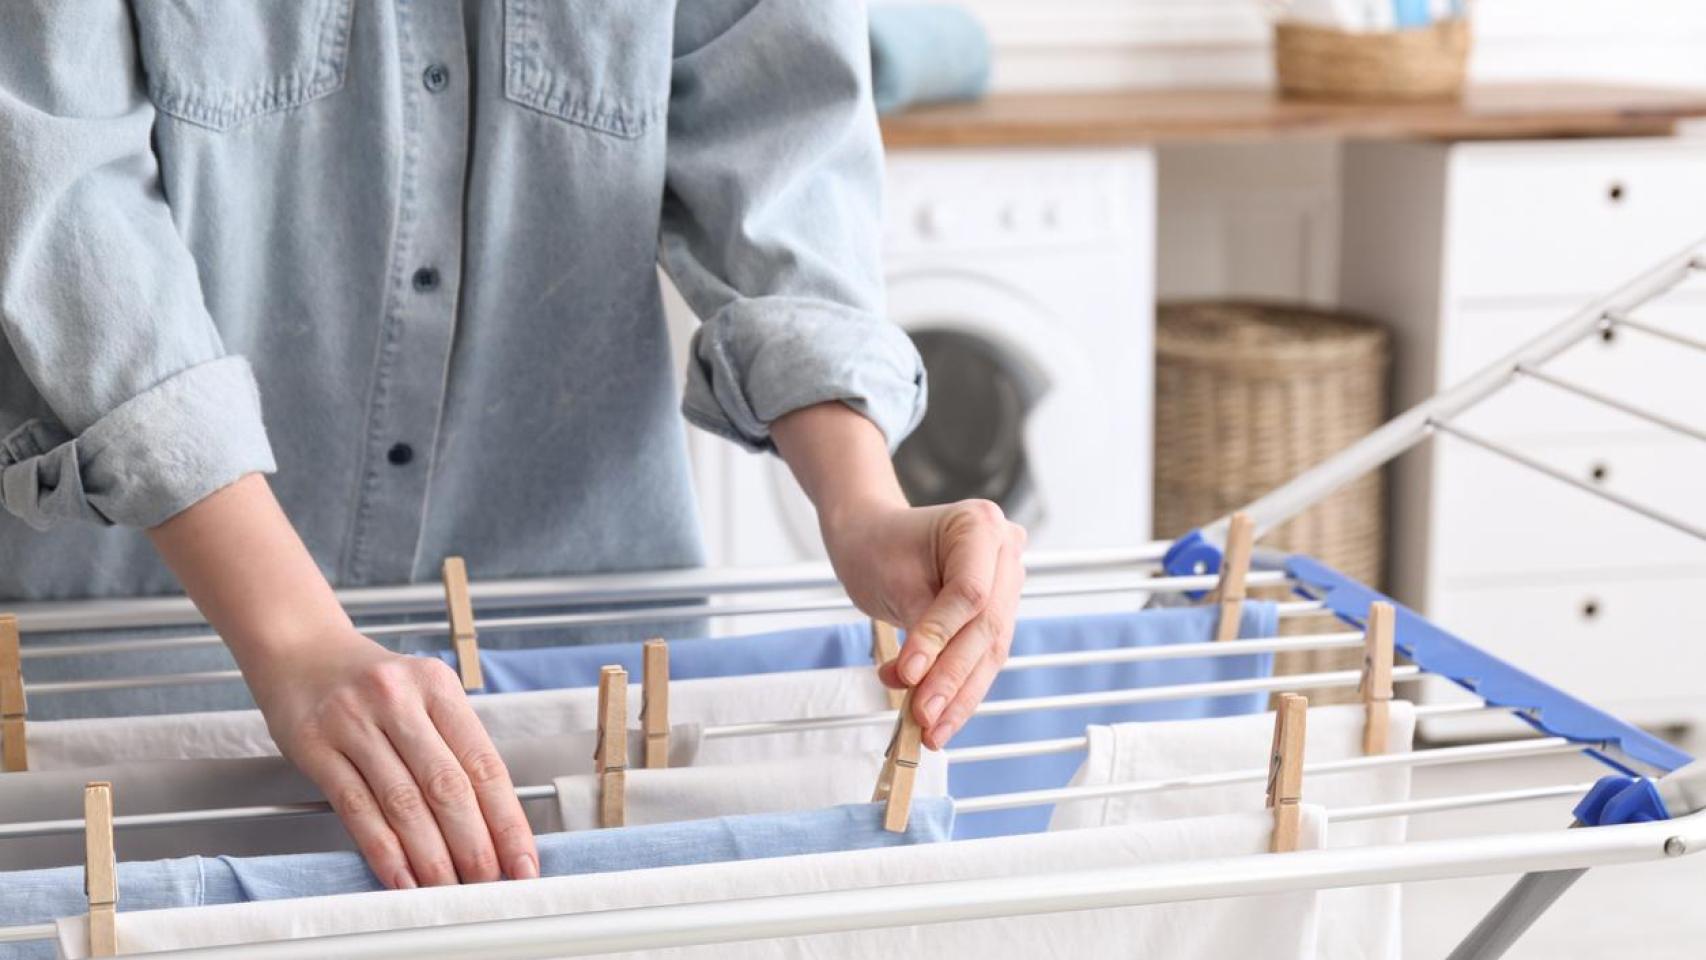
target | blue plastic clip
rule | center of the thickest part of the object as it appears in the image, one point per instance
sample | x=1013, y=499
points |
x=1191, y=555
x=1617, y=799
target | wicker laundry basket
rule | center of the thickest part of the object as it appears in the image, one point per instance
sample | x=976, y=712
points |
x=1248, y=395
x=1423, y=63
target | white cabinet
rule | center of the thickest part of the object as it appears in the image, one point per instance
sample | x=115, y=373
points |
x=1468, y=250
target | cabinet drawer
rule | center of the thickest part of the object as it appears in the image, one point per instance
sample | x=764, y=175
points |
x=1630, y=365
x=1568, y=219
x=1493, y=517
x=1636, y=647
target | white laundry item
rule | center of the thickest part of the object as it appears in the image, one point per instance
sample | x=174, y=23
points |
x=731, y=789
x=1357, y=922
x=58, y=744
x=1272, y=927
x=159, y=786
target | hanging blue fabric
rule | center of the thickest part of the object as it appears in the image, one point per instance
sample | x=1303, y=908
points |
x=40, y=896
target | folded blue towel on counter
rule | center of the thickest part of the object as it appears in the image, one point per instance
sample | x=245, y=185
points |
x=39, y=896
x=560, y=668
x=845, y=645
x=926, y=53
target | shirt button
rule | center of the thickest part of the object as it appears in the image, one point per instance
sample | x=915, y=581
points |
x=400, y=454
x=426, y=280
x=436, y=77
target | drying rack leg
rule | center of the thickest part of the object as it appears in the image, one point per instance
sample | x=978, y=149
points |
x=1515, y=912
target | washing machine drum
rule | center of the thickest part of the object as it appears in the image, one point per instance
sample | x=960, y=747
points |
x=971, y=442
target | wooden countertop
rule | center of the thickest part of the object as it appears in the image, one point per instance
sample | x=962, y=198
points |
x=1487, y=112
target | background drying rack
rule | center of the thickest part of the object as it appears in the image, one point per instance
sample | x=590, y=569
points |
x=1175, y=570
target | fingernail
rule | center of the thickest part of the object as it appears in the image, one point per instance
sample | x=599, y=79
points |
x=915, y=667
x=933, y=707
x=523, y=867
x=942, y=733
x=405, y=880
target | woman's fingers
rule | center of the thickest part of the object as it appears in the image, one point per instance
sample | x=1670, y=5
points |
x=449, y=794
x=962, y=674
x=968, y=548
x=356, y=806
x=504, y=820
x=404, y=806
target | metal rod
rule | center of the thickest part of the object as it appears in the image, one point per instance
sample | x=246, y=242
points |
x=1120, y=655
x=735, y=920
x=1614, y=403
x=1410, y=427
x=1041, y=748
x=1461, y=802
x=1471, y=753
x=1682, y=339
x=1491, y=446
x=1102, y=698
x=27, y=932
x=63, y=616
x=492, y=624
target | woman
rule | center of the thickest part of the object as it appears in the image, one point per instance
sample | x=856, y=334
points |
x=424, y=234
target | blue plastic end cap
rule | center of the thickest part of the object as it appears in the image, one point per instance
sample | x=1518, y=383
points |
x=1191, y=555
x=1619, y=799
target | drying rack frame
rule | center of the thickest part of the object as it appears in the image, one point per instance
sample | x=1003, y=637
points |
x=1560, y=853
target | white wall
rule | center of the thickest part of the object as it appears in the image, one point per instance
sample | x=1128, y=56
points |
x=1263, y=221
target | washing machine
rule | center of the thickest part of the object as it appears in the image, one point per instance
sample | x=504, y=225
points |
x=1026, y=280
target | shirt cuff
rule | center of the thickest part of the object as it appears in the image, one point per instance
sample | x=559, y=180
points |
x=758, y=360
x=145, y=461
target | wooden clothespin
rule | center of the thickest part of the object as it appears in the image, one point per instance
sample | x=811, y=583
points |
x=610, y=758
x=654, y=703
x=900, y=769
x=100, y=868
x=14, y=752
x=462, y=636
x=1285, y=772
x=1234, y=568
x=1376, y=688
x=885, y=646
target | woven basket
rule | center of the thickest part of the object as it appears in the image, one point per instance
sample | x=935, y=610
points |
x=1425, y=63
x=1247, y=396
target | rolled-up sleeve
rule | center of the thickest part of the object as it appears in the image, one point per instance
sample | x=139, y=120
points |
x=118, y=403
x=772, y=219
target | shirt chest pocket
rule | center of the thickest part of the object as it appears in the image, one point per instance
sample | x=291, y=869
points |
x=601, y=64
x=219, y=63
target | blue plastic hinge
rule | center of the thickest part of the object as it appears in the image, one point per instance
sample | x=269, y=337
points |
x=1618, y=799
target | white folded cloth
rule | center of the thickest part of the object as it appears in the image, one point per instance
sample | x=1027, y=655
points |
x=731, y=789
x=58, y=744
x=1357, y=922
x=1272, y=927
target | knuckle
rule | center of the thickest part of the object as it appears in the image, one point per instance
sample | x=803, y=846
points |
x=484, y=767
x=352, y=801
x=446, y=786
x=984, y=511
x=1018, y=535
x=972, y=591
x=954, y=671
x=513, y=835
x=402, y=802
x=384, y=685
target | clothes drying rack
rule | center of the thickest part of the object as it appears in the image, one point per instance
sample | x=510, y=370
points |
x=1175, y=570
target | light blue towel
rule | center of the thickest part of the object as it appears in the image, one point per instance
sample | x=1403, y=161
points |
x=926, y=53
x=1147, y=628
x=38, y=896
x=849, y=645
x=556, y=668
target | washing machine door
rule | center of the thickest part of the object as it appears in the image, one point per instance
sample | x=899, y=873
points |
x=1004, y=385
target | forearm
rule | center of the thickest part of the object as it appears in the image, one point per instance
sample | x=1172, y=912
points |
x=840, y=459
x=243, y=564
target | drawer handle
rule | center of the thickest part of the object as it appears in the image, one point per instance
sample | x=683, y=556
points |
x=1590, y=610
x=1616, y=193
x=1600, y=472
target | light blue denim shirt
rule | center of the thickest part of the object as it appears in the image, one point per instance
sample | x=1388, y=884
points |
x=422, y=234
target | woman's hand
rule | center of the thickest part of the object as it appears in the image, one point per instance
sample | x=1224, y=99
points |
x=950, y=574
x=393, y=744
x=390, y=740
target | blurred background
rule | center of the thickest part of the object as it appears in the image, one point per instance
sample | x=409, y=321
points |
x=1161, y=255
